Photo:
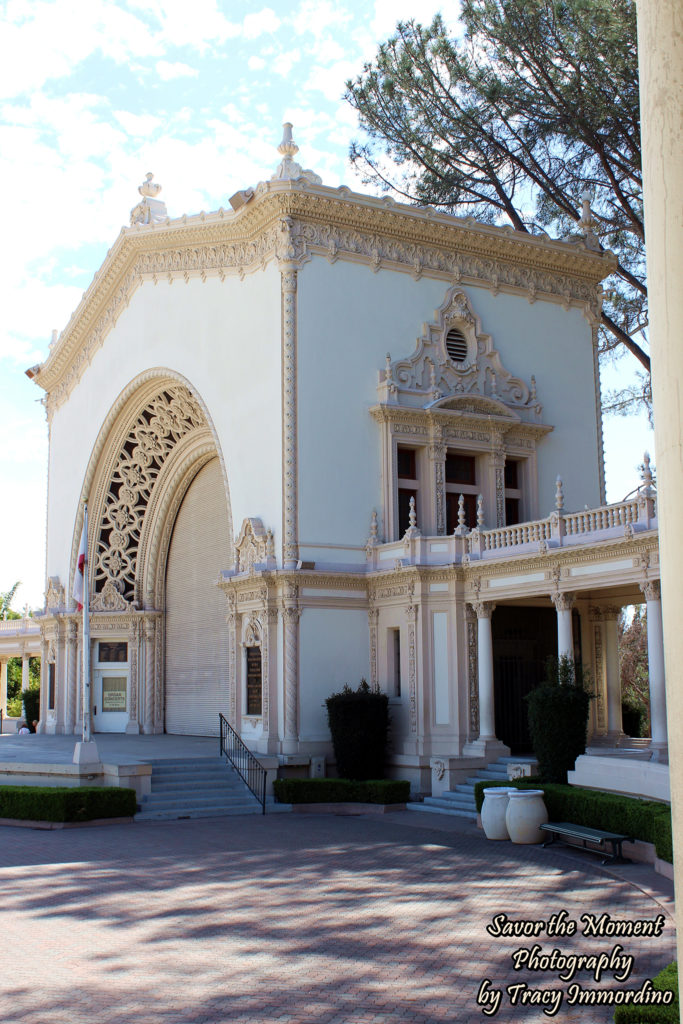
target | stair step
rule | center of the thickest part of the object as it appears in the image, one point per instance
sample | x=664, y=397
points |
x=455, y=811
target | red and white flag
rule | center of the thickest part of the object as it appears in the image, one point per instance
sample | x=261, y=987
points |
x=77, y=592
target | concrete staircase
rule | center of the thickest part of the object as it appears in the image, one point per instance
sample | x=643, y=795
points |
x=459, y=802
x=205, y=787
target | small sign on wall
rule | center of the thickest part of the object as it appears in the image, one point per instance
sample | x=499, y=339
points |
x=114, y=693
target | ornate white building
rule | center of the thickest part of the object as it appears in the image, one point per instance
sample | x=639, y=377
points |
x=320, y=436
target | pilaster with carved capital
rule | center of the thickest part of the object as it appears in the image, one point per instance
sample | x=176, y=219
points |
x=373, y=618
x=290, y=527
x=411, y=618
x=232, y=620
x=652, y=590
x=290, y=615
x=149, y=632
x=133, y=725
x=472, y=670
x=71, y=676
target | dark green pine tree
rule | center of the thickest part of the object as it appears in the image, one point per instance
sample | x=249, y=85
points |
x=535, y=104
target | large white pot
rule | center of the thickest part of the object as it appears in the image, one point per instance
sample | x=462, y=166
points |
x=525, y=812
x=493, y=811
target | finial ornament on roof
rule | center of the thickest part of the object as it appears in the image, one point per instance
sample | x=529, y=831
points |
x=588, y=223
x=289, y=170
x=151, y=210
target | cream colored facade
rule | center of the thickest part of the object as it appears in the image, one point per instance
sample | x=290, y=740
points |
x=236, y=396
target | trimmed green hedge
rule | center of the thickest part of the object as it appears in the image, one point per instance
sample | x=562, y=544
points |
x=337, y=791
x=59, y=803
x=643, y=819
x=666, y=979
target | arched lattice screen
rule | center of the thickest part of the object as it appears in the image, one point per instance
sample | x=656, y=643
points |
x=170, y=416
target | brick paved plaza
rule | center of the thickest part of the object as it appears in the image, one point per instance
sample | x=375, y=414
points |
x=351, y=920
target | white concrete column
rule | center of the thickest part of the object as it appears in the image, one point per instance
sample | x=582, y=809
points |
x=661, y=85
x=486, y=745
x=655, y=664
x=3, y=686
x=610, y=617
x=564, y=603
x=25, y=658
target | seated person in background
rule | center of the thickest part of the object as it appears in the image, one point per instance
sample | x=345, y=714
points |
x=23, y=729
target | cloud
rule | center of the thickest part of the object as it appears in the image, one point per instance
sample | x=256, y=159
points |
x=256, y=63
x=257, y=24
x=284, y=62
x=167, y=70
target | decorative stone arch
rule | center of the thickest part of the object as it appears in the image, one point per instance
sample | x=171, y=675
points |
x=162, y=416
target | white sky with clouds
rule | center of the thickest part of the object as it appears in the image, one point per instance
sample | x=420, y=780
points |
x=95, y=93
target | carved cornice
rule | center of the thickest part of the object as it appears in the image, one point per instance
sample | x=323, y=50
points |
x=293, y=220
x=456, y=423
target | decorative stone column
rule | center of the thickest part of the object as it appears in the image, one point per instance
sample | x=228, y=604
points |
x=149, y=634
x=564, y=603
x=437, y=482
x=655, y=663
x=71, y=677
x=290, y=615
x=498, y=464
x=486, y=745
x=3, y=686
x=373, y=617
x=610, y=616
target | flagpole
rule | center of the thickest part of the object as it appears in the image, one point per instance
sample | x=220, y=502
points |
x=86, y=751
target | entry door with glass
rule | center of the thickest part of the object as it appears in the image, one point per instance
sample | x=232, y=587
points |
x=110, y=686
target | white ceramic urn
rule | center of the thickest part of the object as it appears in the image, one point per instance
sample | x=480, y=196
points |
x=525, y=812
x=493, y=811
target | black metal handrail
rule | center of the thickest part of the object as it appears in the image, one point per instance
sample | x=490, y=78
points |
x=249, y=769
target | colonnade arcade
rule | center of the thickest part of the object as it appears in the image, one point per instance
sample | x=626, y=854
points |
x=595, y=633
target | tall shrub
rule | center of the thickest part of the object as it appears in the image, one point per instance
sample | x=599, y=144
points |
x=31, y=701
x=359, y=724
x=558, y=718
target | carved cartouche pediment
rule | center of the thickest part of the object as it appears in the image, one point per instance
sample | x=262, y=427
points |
x=254, y=546
x=54, y=595
x=473, y=368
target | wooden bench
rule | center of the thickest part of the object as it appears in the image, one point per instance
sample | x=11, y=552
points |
x=564, y=830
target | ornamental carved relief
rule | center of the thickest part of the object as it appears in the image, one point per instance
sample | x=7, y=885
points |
x=430, y=376
x=254, y=546
x=170, y=416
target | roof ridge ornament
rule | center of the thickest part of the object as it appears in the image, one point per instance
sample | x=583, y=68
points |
x=151, y=210
x=288, y=169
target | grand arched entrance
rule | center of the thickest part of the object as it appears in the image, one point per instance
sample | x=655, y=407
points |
x=196, y=632
x=160, y=532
